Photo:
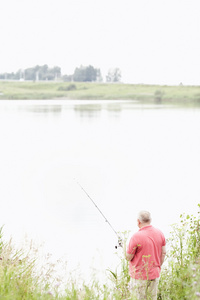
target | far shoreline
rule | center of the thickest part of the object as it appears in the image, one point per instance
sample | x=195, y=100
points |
x=142, y=93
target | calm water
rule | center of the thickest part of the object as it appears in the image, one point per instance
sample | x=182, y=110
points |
x=128, y=157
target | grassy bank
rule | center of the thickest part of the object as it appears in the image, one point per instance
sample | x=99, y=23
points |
x=180, y=276
x=61, y=90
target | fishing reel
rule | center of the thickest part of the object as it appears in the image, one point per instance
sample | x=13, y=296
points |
x=120, y=243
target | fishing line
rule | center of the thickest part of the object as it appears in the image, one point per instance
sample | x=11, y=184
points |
x=119, y=238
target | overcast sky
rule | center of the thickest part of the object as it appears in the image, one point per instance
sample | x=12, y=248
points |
x=151, y=41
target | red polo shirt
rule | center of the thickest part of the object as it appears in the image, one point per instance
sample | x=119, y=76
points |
x=146, y=245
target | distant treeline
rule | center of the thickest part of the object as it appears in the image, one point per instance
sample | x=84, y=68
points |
x=36, y=73
x=81, y=74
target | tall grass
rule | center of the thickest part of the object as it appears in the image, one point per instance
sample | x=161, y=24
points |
x=18, y=279
x=21, y=278
x=180, y=277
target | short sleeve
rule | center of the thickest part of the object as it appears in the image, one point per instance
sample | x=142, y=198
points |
x=132, y=246
x=163, y=239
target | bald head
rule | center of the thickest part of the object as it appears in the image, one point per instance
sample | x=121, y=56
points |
x=144, y=217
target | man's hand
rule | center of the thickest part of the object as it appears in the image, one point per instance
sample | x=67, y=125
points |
x=120, y=242
x=129, y=257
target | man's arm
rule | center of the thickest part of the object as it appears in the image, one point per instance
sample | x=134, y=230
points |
x=127, y=255
x=163, y=253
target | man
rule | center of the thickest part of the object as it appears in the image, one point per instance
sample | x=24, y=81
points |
x=146, y=253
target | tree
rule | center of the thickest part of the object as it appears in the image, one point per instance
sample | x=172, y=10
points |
x=88, y=73
x=34, y=73
x=30, y=74
x=67, y=78
x=114, y=75
x=42, y=73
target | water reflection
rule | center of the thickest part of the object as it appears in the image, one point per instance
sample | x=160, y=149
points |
x=88, y=110
x=41, y=109
x=114, y=107
x=94, y=110
x=114, y=110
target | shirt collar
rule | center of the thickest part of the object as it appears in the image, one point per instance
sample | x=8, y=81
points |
x=145, y=227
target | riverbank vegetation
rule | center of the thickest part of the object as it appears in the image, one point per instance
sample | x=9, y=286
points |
x=103, y=91
x=180, y=277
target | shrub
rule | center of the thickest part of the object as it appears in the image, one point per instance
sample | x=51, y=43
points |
x=70, y=87
x=158, y=95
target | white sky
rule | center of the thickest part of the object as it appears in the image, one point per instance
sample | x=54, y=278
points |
x=151, y=41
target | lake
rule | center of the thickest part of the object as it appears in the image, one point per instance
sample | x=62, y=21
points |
x=127, y=156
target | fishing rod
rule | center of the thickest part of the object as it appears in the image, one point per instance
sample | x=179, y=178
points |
x=119, y=238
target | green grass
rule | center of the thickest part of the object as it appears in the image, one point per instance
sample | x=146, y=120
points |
x=21, y=278
x=79, y=90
